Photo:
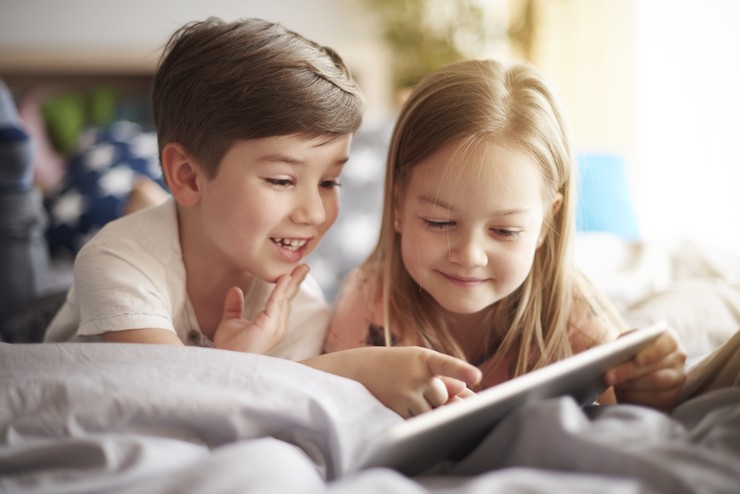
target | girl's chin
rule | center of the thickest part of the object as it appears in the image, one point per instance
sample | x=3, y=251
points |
x=466, y=308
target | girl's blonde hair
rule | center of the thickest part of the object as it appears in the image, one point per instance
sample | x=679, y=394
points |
x=483, y=101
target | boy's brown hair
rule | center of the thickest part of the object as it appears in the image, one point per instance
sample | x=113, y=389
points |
x=218, y=82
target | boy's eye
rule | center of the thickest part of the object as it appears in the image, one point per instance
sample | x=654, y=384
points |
x=279, y=182
x=330, y=184
x=438, y=225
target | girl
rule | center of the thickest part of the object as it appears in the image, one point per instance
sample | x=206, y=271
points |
x=474, y=257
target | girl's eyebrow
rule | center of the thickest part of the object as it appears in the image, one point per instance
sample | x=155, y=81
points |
x=435, y=201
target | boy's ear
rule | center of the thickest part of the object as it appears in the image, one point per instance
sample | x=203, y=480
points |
x=182, y=173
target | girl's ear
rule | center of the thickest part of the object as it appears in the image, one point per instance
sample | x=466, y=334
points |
x=396, y=212
x=555, y=205
x=182, y=173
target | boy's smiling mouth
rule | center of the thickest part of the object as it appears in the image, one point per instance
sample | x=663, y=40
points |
x=290, y=243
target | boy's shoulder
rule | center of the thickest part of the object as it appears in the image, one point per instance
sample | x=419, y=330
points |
x=152, y=229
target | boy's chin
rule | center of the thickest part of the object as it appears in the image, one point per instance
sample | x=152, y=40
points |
x=274, y=276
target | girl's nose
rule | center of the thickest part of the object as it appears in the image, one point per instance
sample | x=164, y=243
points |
x=310, y=209
x=467, y=250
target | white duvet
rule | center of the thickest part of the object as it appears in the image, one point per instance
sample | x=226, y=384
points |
x=93, y=417
x=694, y=288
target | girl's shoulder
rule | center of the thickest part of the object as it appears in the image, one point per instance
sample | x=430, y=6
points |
x=357, y=313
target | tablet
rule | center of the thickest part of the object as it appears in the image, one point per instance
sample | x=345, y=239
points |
x=453, y=431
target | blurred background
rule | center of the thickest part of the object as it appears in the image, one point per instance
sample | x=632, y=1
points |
x=650, y=87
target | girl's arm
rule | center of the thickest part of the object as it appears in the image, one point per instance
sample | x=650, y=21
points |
x=654, y=377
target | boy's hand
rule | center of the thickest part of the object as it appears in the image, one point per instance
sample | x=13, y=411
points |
x=654, y=377
x=408, y=380
x=271, y=324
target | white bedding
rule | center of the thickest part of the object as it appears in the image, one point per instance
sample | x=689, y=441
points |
x=92, y=417
x=694, y=288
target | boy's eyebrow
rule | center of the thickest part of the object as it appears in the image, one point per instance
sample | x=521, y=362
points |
x=435, y=201
x=285, y=158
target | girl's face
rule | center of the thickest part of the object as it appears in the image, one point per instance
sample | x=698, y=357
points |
x=468, y=236
x=271, y=202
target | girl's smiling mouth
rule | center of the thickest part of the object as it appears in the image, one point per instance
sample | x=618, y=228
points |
x=463, y=281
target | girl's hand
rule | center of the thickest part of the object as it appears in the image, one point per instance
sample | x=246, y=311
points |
x=269, y=327
x=654, y=377
x=408, y=380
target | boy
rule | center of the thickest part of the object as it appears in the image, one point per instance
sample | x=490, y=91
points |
x=254, y=124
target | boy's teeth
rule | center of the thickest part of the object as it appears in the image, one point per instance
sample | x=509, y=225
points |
x=291, y=244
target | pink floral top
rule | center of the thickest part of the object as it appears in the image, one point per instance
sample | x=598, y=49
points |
x=357, y=322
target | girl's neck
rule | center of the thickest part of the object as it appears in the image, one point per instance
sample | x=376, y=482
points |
x=473, y=335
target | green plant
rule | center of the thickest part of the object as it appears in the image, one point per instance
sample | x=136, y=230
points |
x=425, y=35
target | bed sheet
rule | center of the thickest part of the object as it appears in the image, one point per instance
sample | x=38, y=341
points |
x=93, y=417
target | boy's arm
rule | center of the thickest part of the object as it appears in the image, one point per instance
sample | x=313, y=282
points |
x=153, y=336
x=409, y=380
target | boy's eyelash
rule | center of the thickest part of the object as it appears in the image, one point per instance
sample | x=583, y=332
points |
x=330, y=184
x=280, y=182
x=286, y=182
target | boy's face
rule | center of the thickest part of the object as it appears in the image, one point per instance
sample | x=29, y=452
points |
x=272, y=201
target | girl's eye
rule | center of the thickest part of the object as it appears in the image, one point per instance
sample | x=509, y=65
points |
x=279, y=182
x=438, y=225
x=330, y=184
x=508, y=234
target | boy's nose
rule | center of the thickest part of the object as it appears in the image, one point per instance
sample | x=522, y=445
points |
x=467, y=250
x=310, y=210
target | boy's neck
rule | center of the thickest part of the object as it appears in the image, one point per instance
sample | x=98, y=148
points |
x=207, y=279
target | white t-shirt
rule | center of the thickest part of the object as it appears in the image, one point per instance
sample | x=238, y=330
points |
x=131, y=275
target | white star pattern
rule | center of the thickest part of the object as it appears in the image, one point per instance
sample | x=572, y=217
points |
x=68, y=209
x=116, y=181
x=99, y=157
x=123, y=130
x=144, y=145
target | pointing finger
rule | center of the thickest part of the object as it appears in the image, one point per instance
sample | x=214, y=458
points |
x=440, y=364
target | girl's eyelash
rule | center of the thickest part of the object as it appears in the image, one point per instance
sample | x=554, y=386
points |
x=437, y=225
x=507, y=233
x=440, y=225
